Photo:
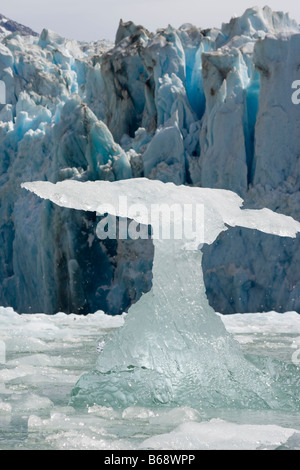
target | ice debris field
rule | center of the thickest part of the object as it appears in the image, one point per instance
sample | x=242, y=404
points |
x=46, y=354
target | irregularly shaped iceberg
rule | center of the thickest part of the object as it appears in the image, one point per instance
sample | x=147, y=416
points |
x=173, y=348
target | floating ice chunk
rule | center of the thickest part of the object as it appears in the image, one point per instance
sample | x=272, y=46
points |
x=172, y=347
x=221, y=435
x=263, y=323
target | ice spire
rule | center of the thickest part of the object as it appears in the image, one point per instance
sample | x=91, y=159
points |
x=173, y=348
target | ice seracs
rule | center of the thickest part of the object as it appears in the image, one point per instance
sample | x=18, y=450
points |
x=190, y=106
x=273, y=56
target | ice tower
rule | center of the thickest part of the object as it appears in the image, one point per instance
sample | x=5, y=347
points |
x=173, y=347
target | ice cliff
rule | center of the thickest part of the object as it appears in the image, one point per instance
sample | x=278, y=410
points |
x=202, y=107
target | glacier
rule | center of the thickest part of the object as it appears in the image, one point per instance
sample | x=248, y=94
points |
x=199, y=107
x=172, y=349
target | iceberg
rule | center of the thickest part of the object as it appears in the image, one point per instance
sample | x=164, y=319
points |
x=172, y=348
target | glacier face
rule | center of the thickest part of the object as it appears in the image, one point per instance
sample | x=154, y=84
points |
x=209, y=108
x=49, y=259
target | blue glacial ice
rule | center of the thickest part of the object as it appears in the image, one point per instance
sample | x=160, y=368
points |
x=173, y=348
x=193, y=106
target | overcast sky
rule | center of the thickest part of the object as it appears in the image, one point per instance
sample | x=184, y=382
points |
x=98, y=19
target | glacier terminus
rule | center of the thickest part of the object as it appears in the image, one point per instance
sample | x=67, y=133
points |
x=200, y=107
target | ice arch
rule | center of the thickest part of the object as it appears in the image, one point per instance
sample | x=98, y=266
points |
x=173, y=348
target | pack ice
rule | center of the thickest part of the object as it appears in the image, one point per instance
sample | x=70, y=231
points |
x=191, y=106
